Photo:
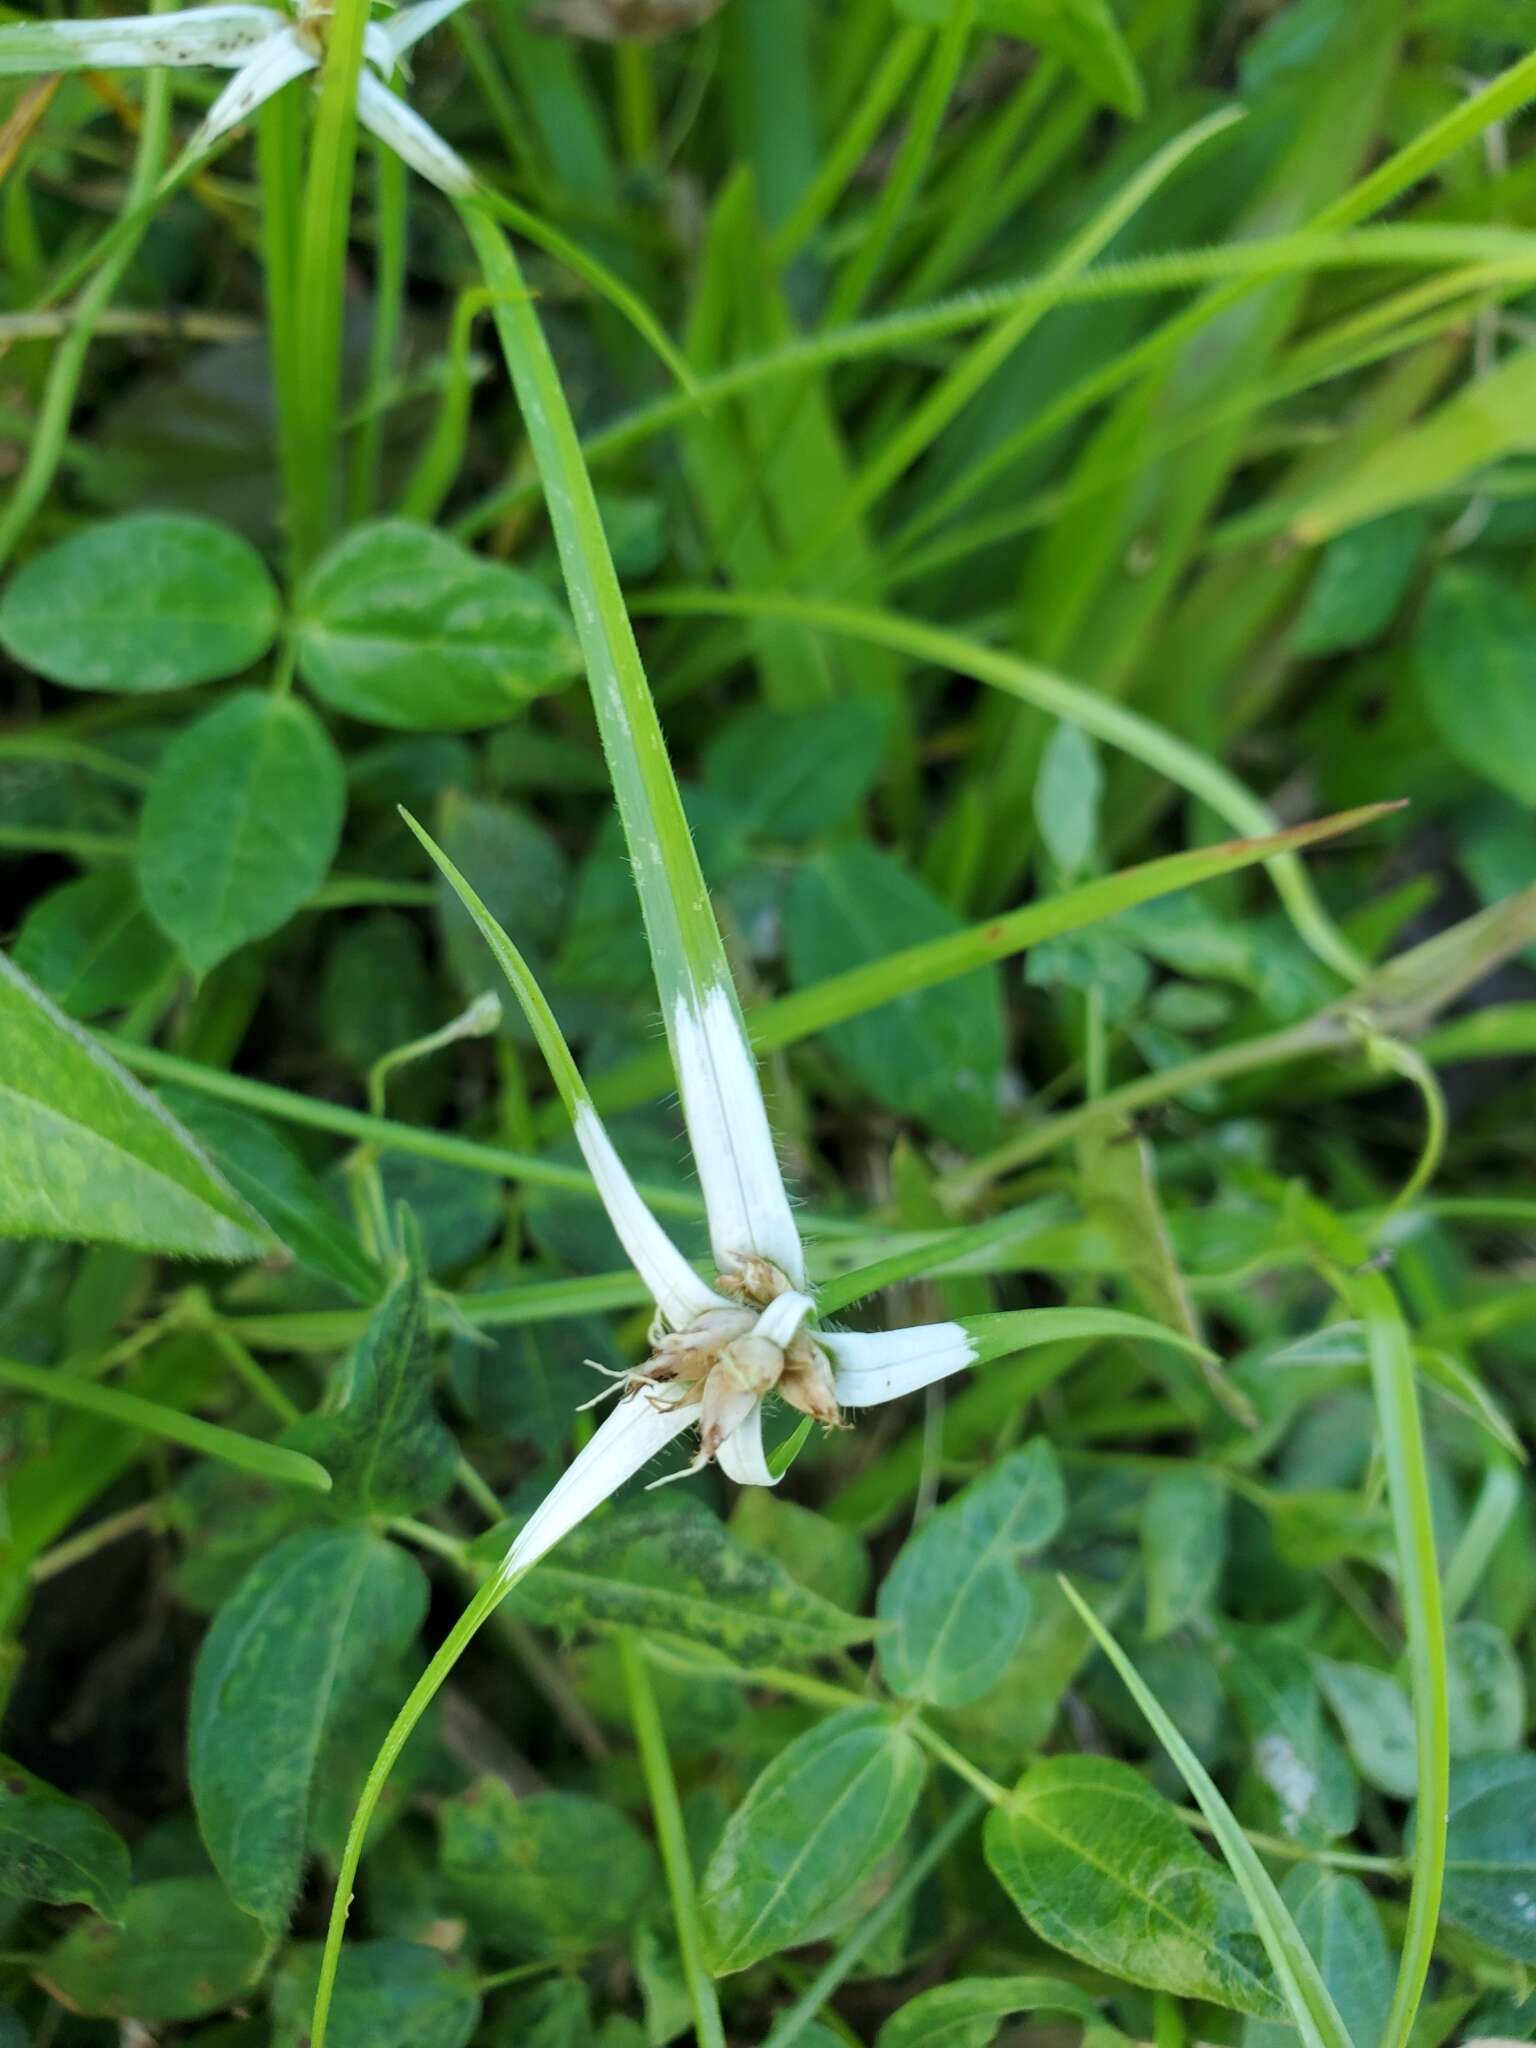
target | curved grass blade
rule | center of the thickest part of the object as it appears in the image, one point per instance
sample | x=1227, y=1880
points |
x=728, y=1128
x=955, y=391
x=1507, y=252
x=788, y=1019
x=250, y=1453
x=1390, y=1347
x=678, y=1290
x=592, y=271
x=479, y=1611
x=1312, y=2007
x=1163, y=752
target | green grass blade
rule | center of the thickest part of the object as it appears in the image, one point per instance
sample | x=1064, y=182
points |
x=671, y=1839
x=250, y=1453
x=684, y=938
x=320, y=276
x=722, y=1102
x=906, y=175
x=49, y=435
x=853, y=145
x=535, y=1007
x=594, y=272
x=956, y=390
x=1107, y=720
x=1312, y=2007
x=1370, y=1297
x=1246, y=264
x=788, y=1019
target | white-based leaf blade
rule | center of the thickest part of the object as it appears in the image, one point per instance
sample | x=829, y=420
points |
x=622, y=1446
x=223, y=36
x=277, y=63
x=416, y=142
x=733, y=1147
x=675, y=1287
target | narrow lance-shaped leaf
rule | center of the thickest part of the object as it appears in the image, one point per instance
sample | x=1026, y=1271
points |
x=722, y=1103
x=154, y=1418
x=675, y=1287
x=1371, y=1297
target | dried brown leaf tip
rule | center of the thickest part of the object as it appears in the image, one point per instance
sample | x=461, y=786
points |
x=623, y=21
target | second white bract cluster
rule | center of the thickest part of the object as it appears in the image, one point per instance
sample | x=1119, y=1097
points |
x=266, y=50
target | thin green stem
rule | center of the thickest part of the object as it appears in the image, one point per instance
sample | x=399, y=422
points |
x=251, y=1374
x=636, y=83
x=321, y=277
x=390, y=204
x=52, y=428
x=442, y=450
x=519, y=1973
x=791, y=2027
x=671, y=1839
x=956, y=1761
x=1402, y=1439
x=1304, y=1852
x=479, y=1611
x=146, y=1514
x=290, y=1107
x=279, y=158
x=54, y=746
x=901, y=187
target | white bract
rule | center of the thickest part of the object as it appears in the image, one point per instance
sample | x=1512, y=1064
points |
x=265, y=50
x=720, y=1349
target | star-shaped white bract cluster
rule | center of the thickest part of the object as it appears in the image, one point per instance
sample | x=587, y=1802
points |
x=266, y=50
x=718, y=1351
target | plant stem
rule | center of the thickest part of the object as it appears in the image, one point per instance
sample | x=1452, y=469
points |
x=253, y=1375
x=52, y=428
x=519, y=1973
x=956, y=1761
x=837, y=1967
x=388, y=1135
x=384, y=338
x=1303, y=1852
x=110, y=1529
x=321, y=279
x=1402, y=1438
x=651, y=1740
x=422, y=1693
x=279, y=155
